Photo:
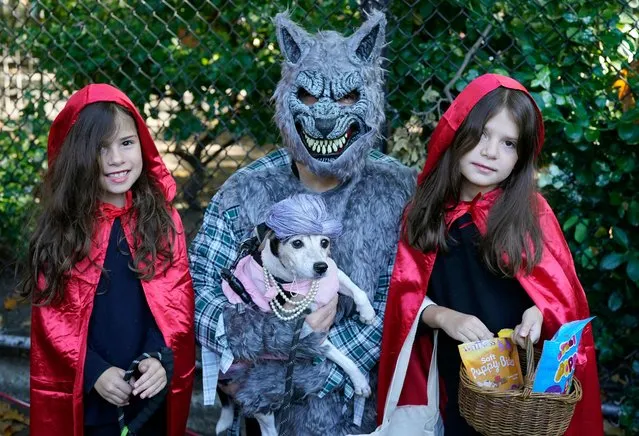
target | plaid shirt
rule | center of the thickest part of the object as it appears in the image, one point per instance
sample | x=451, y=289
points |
x=216, y=246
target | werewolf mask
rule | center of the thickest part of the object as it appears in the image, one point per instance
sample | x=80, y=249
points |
x=329, y=101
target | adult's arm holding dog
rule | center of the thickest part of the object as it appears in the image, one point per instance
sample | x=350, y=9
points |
x=358, y=341
x=322, y=319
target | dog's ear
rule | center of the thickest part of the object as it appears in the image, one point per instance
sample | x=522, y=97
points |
x=262, y=231
x=275, y=246
x=270, y=238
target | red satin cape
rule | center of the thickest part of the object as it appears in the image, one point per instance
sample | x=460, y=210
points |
x=59, y=332
x=553, y=284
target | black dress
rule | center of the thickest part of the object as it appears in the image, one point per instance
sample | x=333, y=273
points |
x=120, y=329
x=462, y=282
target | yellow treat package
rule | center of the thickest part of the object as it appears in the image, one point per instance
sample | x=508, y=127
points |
x=505, y=333
x=493, y=363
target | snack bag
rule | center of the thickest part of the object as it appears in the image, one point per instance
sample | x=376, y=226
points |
x=559, y=358
x=493, y=363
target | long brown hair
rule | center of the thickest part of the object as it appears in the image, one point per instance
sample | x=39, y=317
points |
x=513, y=237
x=69, y=210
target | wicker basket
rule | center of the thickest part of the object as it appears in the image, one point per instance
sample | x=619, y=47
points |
x=517, y=412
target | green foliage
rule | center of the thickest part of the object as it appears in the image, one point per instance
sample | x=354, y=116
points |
x=214, y=66
x=22, y=146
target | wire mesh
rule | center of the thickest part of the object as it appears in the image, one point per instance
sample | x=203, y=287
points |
x=204, y=71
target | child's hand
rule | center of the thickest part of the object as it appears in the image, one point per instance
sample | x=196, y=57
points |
x=531, y=322
x=153, y=378
x=457, y=325
x=112, y=387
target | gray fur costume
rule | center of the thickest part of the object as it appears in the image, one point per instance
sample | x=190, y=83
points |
x=329, y=108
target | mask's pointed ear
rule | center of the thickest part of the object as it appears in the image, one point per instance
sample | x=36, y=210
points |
x=292, y=39
x=367, y=43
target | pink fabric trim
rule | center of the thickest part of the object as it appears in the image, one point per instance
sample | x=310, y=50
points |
x=251, y=274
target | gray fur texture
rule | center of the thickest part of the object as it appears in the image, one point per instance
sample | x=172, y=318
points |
x=275, y=336
x=369, y=205
x=267, y=378
x=329, y=136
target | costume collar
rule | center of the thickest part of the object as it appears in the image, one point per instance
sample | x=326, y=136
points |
x=111, y=211
x=478, y=208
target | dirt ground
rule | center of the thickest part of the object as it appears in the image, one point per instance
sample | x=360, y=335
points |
x=14, y=419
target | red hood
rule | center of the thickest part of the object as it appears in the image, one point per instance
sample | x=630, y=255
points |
x=102, y=92
x=447, y=127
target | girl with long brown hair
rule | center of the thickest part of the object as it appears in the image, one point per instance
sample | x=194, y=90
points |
x=108, y=276
x=481, y=243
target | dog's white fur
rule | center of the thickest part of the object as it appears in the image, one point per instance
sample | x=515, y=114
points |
x=294, y=261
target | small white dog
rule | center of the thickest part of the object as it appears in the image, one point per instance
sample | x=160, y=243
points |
x=296, y=273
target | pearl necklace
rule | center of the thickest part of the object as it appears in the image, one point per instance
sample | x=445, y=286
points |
x=299, y=306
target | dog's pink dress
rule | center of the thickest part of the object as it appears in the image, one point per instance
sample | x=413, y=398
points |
x=251, y=274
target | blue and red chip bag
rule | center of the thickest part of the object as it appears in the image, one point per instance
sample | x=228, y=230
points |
x=559, y=358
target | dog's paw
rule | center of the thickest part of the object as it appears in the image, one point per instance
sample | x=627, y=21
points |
x=366, y=313
x=225, y=421
x=361, y=386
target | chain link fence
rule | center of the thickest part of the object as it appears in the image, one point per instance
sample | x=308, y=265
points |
x=204, y=71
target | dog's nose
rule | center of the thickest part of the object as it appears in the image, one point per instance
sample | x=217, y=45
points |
x=320, y=267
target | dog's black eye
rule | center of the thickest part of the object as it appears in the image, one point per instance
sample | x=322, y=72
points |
x=297, y=244
x=325, y=243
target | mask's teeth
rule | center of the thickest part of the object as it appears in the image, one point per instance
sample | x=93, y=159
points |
x=326, y=146
x=311, y=143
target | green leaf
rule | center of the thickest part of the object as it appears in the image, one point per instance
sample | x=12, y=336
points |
x=612, y=261
x=551, y=113
x=542, y=79
x=615, y=198
x=615, y=301
x=633, y=213
x=626, y=163
x=570, y=222
x=635, y=366
x=620, y=236
x=591, y=135
x=571, y=18
x=629, y=132
x=603, y=179
x=580, y=232
x=632, y=269
x=574, y=132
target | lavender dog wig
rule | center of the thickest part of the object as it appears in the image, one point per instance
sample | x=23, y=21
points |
x=302, y=214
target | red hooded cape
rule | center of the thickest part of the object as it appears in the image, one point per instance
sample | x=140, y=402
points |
x=553, y=285
x=59, y=332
